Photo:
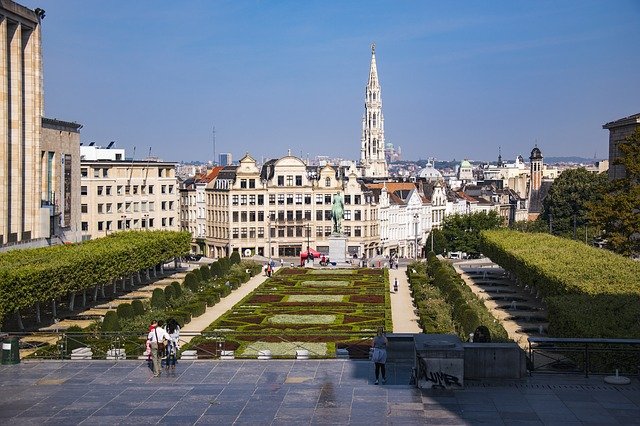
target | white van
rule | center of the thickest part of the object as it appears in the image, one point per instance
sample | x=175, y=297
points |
x=455, y=255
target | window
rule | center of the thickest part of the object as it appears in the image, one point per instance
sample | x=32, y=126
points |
x=109, y=225
x=143, y=206
x=136, y=206
x=96, y=173
x=127, y=189
x=356, y=199
x=85, y=226
x=243, y=200
x=243, y=232
x=347, y=215
x=164, y=222
x=280, y=214
x=281, y=232
x=163, y=189
x=280, y=180
x=289, y=231
x=298, y=214
x=100, y=226
x=289, y=215
x=252, y=200
x=143, y=189
x=100, y=208
x=170, y=205
x=307, y=198
x=357, y=215
x=319, y=231
x=83, y=190
x=108, y=190
x=105, y=172
x=109, y=208
x=252, y=183
x=357, y=231
x=135, y=189
x=150, y=189
x=318, y=198
x=252, y=216
x=327, y=215
x=120, y=207
x=289, y=199
x=298, y=198
x=307, y=214
x=235, y=199
x=119, y=190
x=252, y=232
x=119, y=224
x=100, y=190
x=261, y=200
x=327, y=182
x=260, y=232
x=170, y=221
x=84, y=208
x=243, y=183
x=272, y=199
x=150, y=222
x=235, y=217
x=347, y=199
x=235, y=232
x=298, y=180
x=318, y=214
x=281, y=199
x=327, y=231
x=347, y=230
x=243, y=216
x=127, y=207
x=327, y=199
x=260, y=216
x=84, y=172
x=289, y=180
x=152, y=206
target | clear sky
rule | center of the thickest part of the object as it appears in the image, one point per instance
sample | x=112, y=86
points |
x=459, y=79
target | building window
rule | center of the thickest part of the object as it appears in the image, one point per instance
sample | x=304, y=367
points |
x=318, y=214
x=107, y=190
x=357, y=231
x=356, y=199
x=252, y=216
x=289, y=180
x=357, y=215
x=135, y=189
x=281, y=199
x=152, y=206
x=347, y=199
x=127, y=189
x=260, y=216
x=109, y=208
x=127, y=207
x=243, y=183
x=100, y=226
x=84, y=208
x=120, y=208
x=150, y=189
x=163, y=189
x=289, y=199
x=119, y=190
x=235, y=232
x=347, y=231
x=252, y=183
x=235, y=216
x=327, y=231
x=243, y=200
x=307, y=198
x=280, y=180
x=164, y=222
x=289, y=215
x=252, y=200
x=261, y=200
x=96, y=173
x=298, y=198
x=298, y=180
x=318, y=198
x=327, y=199
x=100, y=208
x=319, y=231
x=243, y=216
x=136, y=207
x=83, y=190
x=85, y=226
x=347, y=215
x=327, y=182
x=327, y=215
x=272, y=199
x=234, y=200
x=84, y=172
x=307, y=214
x=260, y=232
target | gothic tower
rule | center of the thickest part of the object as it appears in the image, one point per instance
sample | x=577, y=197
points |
x=372, y=159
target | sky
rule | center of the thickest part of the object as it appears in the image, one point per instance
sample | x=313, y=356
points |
x=459, y=79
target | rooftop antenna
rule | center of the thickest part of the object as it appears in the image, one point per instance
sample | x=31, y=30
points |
x=146, y=166
x=213, y=137
x=133, y=158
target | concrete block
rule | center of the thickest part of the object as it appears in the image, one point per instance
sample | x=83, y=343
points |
x=264, y=354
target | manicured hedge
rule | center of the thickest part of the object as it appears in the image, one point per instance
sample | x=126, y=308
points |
x=589, y=292
x=43, y=274
x=433, y=311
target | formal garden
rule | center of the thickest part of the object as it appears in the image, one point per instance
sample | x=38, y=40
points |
x=318, y=310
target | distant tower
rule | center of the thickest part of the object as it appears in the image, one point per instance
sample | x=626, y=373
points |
x=536, y=168
x=372, y=158
x=500, y=164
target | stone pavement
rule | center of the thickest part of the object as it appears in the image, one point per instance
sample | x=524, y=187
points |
x=402, y=310
x=290, y=392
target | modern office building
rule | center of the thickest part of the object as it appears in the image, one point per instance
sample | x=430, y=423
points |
x=225, y=159
x=119, y=194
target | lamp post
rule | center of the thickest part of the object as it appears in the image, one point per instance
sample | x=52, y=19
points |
x=269, y=231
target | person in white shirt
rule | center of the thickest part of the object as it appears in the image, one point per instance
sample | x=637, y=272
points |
x=157, y=335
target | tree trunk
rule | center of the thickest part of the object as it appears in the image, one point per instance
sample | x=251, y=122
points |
x=132, y=280
x=38, y=312
x=53, y=308
x=155, y=275
x=19, y=319
x=72, y=301
x=176, y=263
x=84, y=297
x=102, y=292
x=95, y=293
x=139, y=278
x=162, y=268
x=124, y=283
x=146, y=272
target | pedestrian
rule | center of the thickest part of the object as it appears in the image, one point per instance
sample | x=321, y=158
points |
x=281, y=262
x=153, y=325
x=157, y=339
x=379, y=356
x=173, y=330
x=269, y=271
x=395, y=285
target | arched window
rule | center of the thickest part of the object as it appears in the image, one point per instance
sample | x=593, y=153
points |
x=374, y=119
x=374, y=96
x=327, y=182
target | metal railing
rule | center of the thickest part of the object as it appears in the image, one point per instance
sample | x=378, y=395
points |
x=588, y=356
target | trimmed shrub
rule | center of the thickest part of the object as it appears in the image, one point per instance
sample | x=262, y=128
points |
x=225, y=265
x=168, y=293
x=111, y=322
x=196, y=308
x=158, y=300
x=216, y=271
x=177, y=289
x=138, y=307
x=191, y=281
x=197, y=274
x=235, y=258
x=205, y=273
x=124, y=311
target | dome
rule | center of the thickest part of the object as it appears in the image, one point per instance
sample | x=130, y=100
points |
x=465, y=165
x=430, y=173
x=535, y=154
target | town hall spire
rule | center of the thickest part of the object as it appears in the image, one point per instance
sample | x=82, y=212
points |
x=372, y=159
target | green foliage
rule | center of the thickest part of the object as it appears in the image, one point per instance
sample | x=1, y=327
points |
x=177, y=289
x=434, y=312
x=235, y=258
x=216, y=270
x=568, y=198
x=43, y=274
x=138, y=308
x=158, y=300
x=617, y=212
x=439, y=241
x=124, y=311
x=530, y=226
x=191, y=281
x=196, y=308
x=225, y=265
x=462, y=232
x=168, y=293
x=197, y=275
x=589, y=292
x=205, y=273
x=111, y=322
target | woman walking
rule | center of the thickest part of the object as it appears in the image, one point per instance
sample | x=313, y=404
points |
x=379, y=356
x=173, y=330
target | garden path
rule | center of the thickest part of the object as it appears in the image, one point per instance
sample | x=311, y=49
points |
x=216, y=311
x=402, y=310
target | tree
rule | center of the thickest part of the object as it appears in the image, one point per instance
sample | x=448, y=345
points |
x=462, y=232
x=618, y=212
x=567, y=202
x=235, y=258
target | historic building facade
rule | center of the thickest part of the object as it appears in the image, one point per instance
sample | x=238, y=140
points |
x=283, y=206
x=21, y=108
x=373, y=162
x=118, y=194
x=619, y=130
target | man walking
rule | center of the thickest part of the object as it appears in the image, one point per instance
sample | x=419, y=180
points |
x=157, y=338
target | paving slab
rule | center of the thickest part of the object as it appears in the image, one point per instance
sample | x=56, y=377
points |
x=335, y=392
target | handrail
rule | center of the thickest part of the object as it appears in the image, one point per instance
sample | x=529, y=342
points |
x=553, y=350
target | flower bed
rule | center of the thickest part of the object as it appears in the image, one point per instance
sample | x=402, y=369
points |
x=315, y=298
x=325, y=283
x=302, y=319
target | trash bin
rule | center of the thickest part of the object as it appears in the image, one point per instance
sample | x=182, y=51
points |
x=10, y=351
x=439, y=361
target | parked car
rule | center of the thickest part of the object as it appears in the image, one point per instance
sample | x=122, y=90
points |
x=194, y=257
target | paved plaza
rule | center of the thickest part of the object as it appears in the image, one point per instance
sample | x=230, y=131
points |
x=290, y=392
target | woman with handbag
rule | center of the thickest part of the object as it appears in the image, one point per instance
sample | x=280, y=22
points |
x=379, y=356
x=157, y=341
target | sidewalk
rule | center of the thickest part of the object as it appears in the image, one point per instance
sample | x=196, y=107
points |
x=402, y=310
x=216, y=311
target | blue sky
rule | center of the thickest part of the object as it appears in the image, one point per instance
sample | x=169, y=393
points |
x=459, y=79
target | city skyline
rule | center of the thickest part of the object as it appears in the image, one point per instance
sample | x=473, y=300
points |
x=457, y=82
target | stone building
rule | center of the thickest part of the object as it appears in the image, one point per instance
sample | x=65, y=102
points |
x=60, y=177
x=282, y=207
x=193, y=207
x=120, y=194
x=619, y=130
x=22, y=219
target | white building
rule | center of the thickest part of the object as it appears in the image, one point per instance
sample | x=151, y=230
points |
x=373, y=162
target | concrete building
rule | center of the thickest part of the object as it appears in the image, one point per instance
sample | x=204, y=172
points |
x=282, y=207
x=225, y=159
x=619, y=130
x=193, y=207
x=126, y=194
x=60, y=183
x=22, y=219
x=372, y=148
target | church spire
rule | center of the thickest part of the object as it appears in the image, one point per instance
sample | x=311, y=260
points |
x=372, y=156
